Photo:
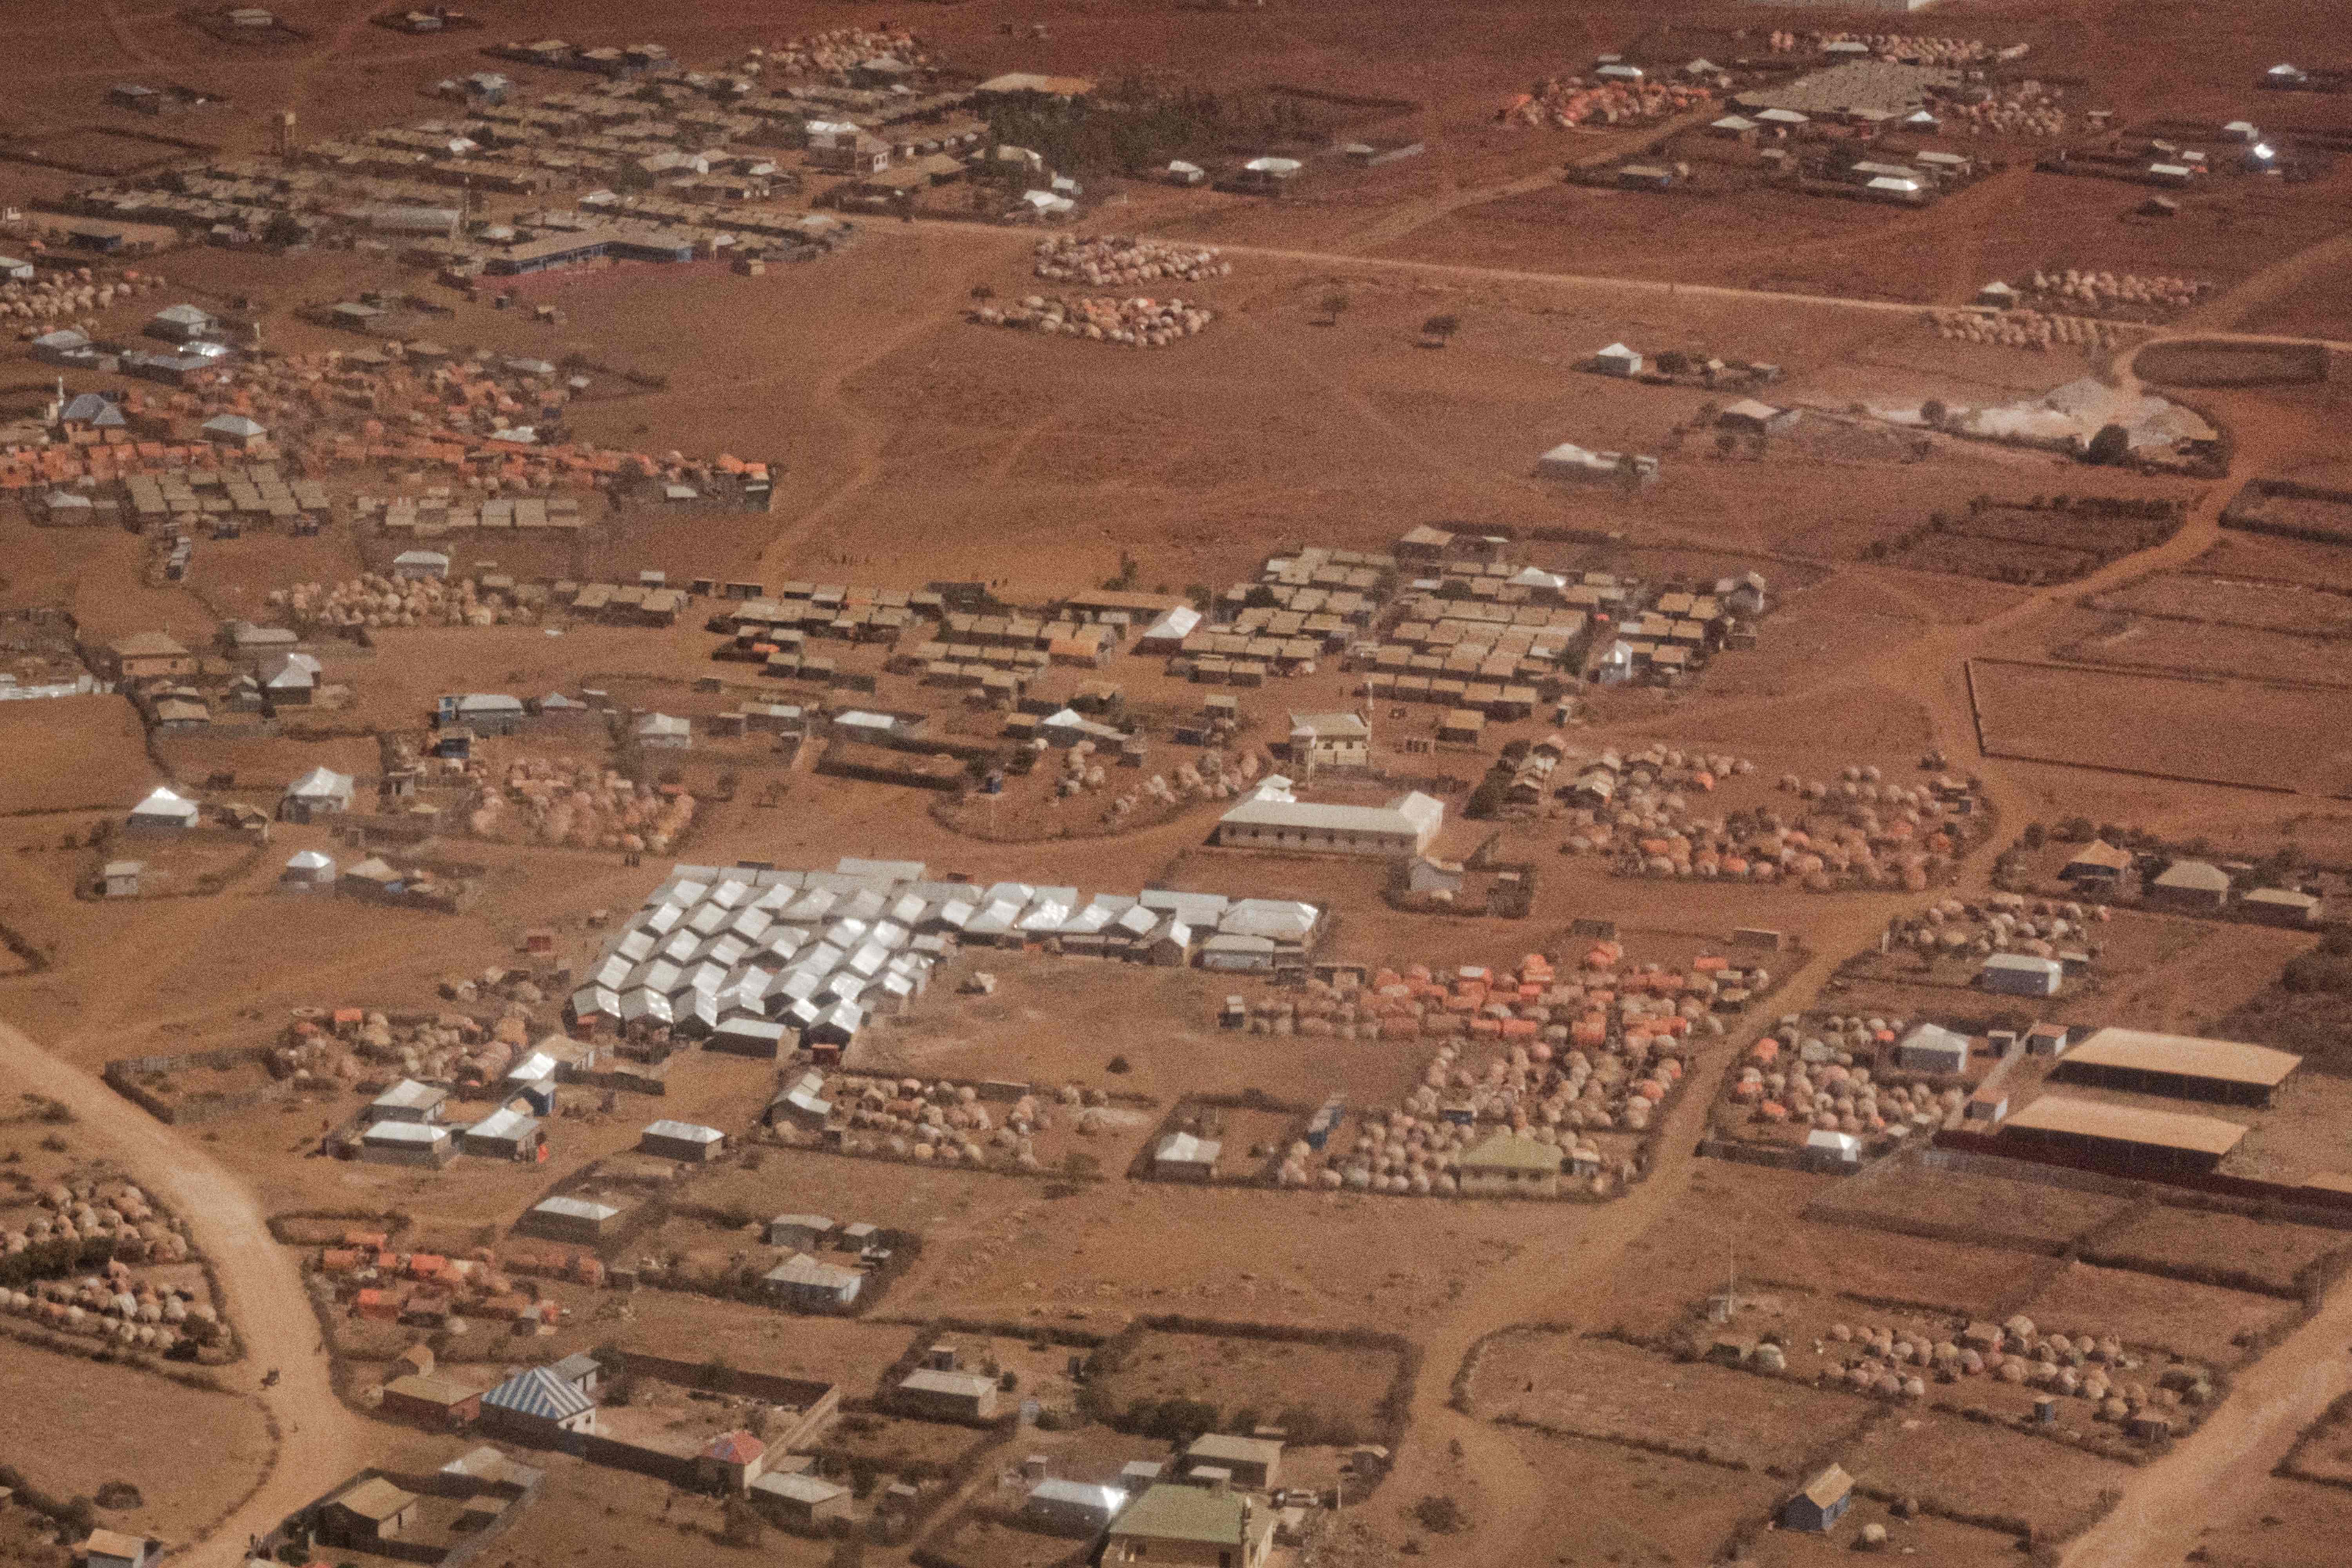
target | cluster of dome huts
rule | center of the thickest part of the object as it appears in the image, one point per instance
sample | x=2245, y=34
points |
x=1560, y=103
x=1859, y=1101
x=2003, y=923
x=1117, y=262
x=944, y=1122
x=1897, y=1361
x=373, y=600
x=2098, y=289
x=1533, y=1066
x=1859, y=830
x=1916, y=48
x=443, y=1049
x=112, y=1303
x=836, y=53
x=585, y=804
x=75, y=295
x=1137, y=322
x=2022, y=329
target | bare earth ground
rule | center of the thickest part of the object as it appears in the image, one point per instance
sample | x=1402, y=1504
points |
x=916, y=446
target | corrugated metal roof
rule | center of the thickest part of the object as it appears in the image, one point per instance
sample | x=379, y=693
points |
x=539, y=1392
x=2127, y=1124
x=1171, y=1512
x=2223, y=1061
x=683, y=1132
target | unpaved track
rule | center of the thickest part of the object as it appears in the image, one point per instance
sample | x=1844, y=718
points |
x=321, y=1441
x=2166, y=1505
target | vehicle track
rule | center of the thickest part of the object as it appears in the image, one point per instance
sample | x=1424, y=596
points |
x=320, y=1440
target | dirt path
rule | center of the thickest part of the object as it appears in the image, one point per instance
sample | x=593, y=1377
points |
x=2284, y=276
x=2167, y=1504
x=1342, y=259
x=1565, y=1277
x=320, y=1440
x=119, y=29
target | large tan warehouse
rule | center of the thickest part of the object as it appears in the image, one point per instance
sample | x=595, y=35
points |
x=2123, y=1138
x=2181, y=1064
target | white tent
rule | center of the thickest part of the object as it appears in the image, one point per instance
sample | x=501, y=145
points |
x=165, y=809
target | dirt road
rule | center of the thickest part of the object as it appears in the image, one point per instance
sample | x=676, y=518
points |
x=1565, y=1277
x=2167, y=1504
x=321, y=1441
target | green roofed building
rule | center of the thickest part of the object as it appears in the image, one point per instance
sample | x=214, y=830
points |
x=1196, y=1526
x=1510, y=1164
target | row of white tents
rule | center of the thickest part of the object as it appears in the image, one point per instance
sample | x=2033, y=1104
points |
x=820, y=953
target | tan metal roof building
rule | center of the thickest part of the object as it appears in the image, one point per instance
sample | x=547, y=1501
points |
x=2180, y=1064
x=2093, y=1125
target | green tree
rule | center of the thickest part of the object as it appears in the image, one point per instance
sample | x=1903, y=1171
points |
x=2111, y=445
x=1441, y=328
x=744, y=1527
x=1335, y=305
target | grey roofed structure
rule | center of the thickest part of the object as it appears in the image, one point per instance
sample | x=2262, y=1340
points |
x=798, y=1486
x=164, y=806
x=539, y=1392
x=672, y=1132
x=1931, y=1047
x=1057, y=1502
x=92, y=408
x=503, y=1130
x=886, y=871
x=1402, y=826
x=322, y=787
x=408, y=1100
x=803, y=1279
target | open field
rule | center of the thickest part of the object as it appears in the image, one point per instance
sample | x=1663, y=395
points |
x=1951, y=1205
x=1572, y=1386
x=2280, y=1523
x=1338, y=1385
x=2165, y=646
x=70, y=753
x=2201, y=1322
x=1986, y=1474
x=191, y=1453
x=1644, y=1507
x=2192, y=729
x=2280, y=1257
x=2235, y=603
x=1929, y=1538
x=910, y=445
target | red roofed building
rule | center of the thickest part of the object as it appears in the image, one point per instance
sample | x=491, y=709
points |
x=733, y=1461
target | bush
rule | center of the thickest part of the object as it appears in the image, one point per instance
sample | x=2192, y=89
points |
x=1118, y=1065
x=1439, y=1515
x=2325, y=973
x=744, y=1527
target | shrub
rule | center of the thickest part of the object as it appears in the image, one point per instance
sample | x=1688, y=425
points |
x=2325, y=973
x=744, y=1527
x=2111, y=445
x=1439, y=1515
